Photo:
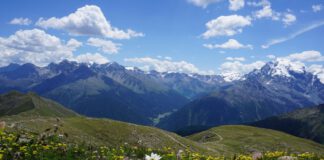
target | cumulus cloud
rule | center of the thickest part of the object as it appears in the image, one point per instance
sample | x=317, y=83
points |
x=87, y=20
x=230, y=44
x=106, y=46
x=236, y=4
x=35, y=46
x=203, y=3
x=21, y=21
x=317, y=70
x=239, y=67
x=306, y=56
x=288, y=19
x=226, y=26
x=91, y=58
x=317, y=7
x=267, y=12
x=293, y=35
x=235, y=58
x=261, y=3
x=164, y=65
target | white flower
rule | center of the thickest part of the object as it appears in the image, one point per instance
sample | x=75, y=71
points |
x=153, y=156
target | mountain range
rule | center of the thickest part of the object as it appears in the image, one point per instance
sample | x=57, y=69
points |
x=108, y=90
x=172, y=101
x=278, y=87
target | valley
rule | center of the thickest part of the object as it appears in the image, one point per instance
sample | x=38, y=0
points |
x=45, y=116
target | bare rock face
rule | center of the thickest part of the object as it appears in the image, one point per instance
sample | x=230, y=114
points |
x=2, y=125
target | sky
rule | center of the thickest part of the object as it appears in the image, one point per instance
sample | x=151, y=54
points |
x=192, y=36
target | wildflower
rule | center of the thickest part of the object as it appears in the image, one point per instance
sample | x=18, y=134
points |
x=46, y=147
x=61, y=136
x=153, y=156
x=306, y=155
x=23, y=149
x=244, y=157
x=179, y=154
x=256, y=155
x=287, y=158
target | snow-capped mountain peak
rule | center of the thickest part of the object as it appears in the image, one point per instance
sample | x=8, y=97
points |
x=231, y=76
x=284, y=67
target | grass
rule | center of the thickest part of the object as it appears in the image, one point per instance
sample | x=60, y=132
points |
x=42, y=115
x=231, y=139
x=50, y=144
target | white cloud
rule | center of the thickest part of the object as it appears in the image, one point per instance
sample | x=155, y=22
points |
x=288, y=19
x=271, y=56
x=230, y=44
x=268, y=12
x=306, y=56
x=238, y=68
x=235, y=58
x=261, y=3
x=293, y=35
x=21, y=21
x=226, y=26
x=317, y=70
x=91, y=58
x=236, y=4
x=203, y=3
x=87, y=20
x=317, y=7
x=106, y=46
x=35, y=46
x=166, y=65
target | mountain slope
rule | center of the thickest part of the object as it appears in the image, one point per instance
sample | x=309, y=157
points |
x=107, y=90
x=278, y=87
x=97, y=132
x=307, y=123
x=246, y=139
x=36, y=114
x=15, y=103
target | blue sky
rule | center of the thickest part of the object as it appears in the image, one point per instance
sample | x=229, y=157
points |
x=166, y=34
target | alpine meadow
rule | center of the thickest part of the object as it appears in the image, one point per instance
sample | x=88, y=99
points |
x=162, y=80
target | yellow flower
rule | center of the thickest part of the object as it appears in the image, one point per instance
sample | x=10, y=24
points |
x=46, y=147
x=306, y=155
x=244, y=157
x=23, y=149
x=275, y=154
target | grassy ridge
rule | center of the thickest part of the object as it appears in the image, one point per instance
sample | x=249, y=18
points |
x=15, y=103
x=243, y=139
x=105, y=132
